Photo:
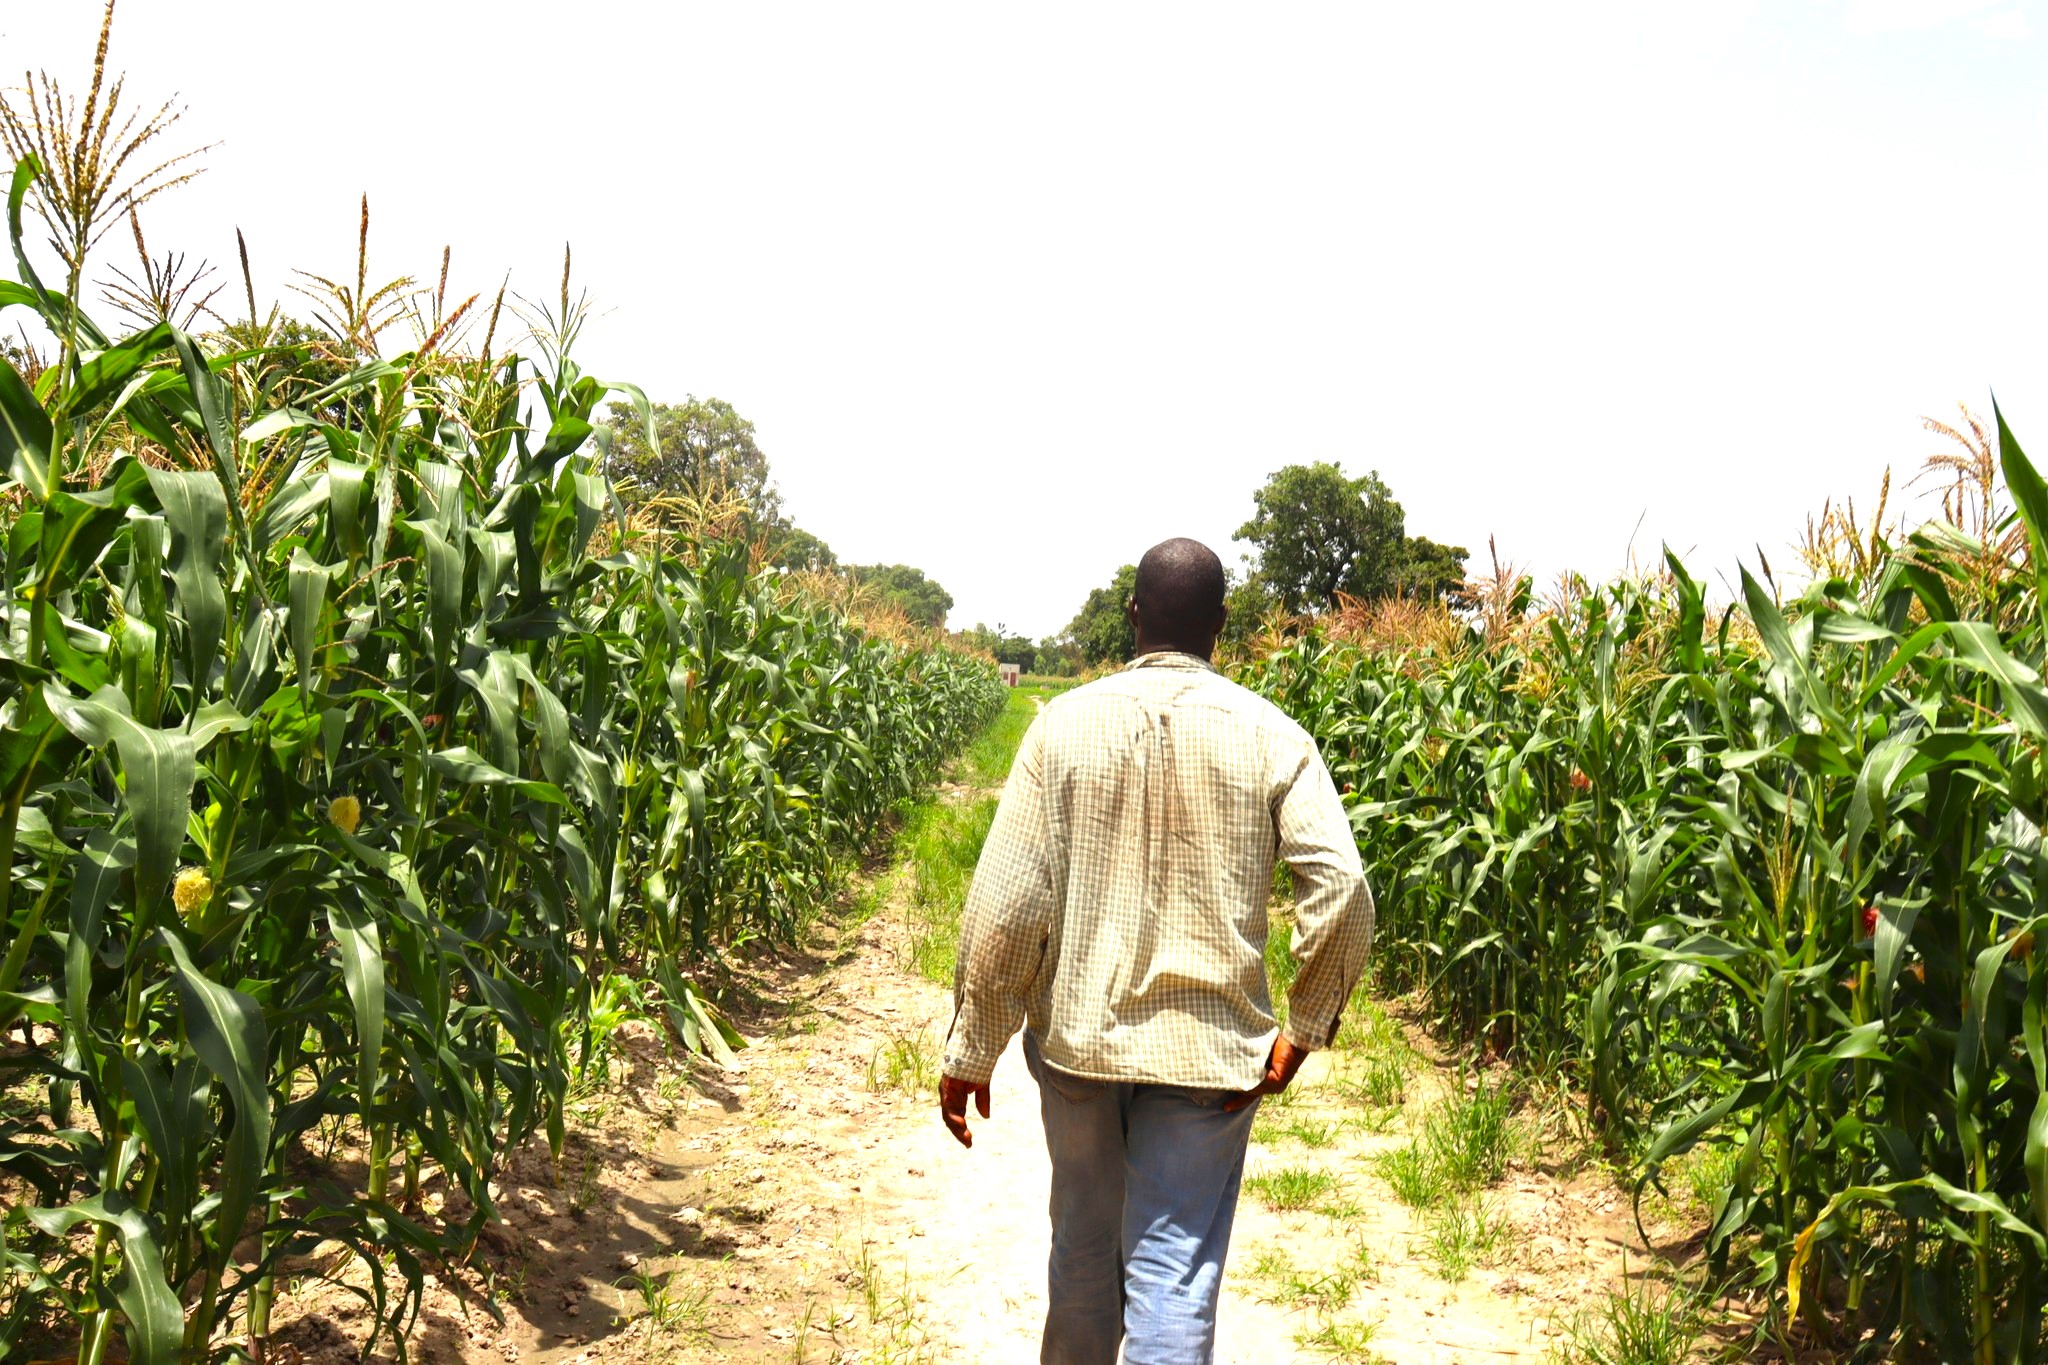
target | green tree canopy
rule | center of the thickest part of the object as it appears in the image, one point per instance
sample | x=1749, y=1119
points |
x=1320, y=532
x=1103, y=630
x=792, y=547
x=703, y=444
x=1008, y=648
x=1430, y=571
x=1057, y=657
x=921, y=598
x=1251, y=601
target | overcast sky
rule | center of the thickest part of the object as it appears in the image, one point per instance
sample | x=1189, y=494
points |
x=1013, y=292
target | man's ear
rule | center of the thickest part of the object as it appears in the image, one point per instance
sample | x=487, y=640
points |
x=1131, y=612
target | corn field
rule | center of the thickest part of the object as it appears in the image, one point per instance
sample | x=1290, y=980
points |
x=1765, y=880
x=350, y=735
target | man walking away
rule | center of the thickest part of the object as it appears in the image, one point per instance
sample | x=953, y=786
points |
x=1119, y=913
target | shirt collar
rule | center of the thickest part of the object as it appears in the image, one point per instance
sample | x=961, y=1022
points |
x=1171, y=658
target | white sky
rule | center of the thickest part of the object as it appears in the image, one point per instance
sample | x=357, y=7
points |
x=1013, y=292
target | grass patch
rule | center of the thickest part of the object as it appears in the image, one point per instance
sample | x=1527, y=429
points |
x=1633, y=1326
x=1413, y=1175
x=1464, y=1145
x=1349, y=1342
x=1375, y=1081
x=1463, y=1233
x=1475, y=1136
x=987, y=761
x=1697, y=1182
x=1280, y=964
x=1366, y=1027
x=1292, y=1189
x=908, y=1062
x=669, y=1305
x=940, y=842
x=1281, y=1281
x=939, y=846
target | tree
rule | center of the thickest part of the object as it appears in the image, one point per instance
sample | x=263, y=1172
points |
x=1008, y=648
x=1057, y=658
x=1250, y=601
x=792, y=547
x=702, y=445
x=1103, y=629
x=920, y=598
x=1320, y=533
x=1430, y=571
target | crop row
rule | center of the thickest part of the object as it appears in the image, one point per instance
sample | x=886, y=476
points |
x=1766, y=879
x=350, y=733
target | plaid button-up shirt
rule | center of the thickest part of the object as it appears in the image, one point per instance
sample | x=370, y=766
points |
x=1120, y=902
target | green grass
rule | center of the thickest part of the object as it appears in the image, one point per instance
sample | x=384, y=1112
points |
x=987, y=761
x=1349, y=1342
x=1475, y=1136
x=1465, y=1145
x=908, y=1062
x=1633, y=1326
x=1462, y=1234
x=1279, y=959
x=1281, y=1281
x=1413, y=1174
x=939, y=843
x=1289, y=1189
x=1369, y=1029
x=670, y=1304
x=939, y=846
x=1377, y=1082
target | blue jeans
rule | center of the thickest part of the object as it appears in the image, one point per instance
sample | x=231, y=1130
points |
x=1144, y=1189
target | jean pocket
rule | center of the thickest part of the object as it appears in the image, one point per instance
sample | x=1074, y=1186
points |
x=1201, y=1099
x=1071, y=1088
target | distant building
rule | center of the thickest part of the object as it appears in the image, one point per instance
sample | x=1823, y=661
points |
x=1012, y=673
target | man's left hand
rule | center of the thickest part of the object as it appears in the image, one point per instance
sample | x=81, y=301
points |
x=1281, y=1064
x=953, y=1095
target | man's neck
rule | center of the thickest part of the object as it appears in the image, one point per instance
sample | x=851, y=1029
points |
x=1200, y=651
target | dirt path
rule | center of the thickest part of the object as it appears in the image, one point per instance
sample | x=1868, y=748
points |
x=809, y=1207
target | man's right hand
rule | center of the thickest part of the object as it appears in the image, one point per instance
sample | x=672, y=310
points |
x=1281, y=1063
x=953, y=1095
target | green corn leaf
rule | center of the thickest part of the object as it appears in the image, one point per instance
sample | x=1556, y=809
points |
x=53, y=306
x=465, y=765
x=197, y=514
x=105, y=374
x=77, y=526
x=307, y=582
x=226, y=1029
x=1977, y=644
x=158, y=768
x=26, y=434
x=349, y=513
x=2035, y=1153
x=156, y=1325
x=209, y=396
x=107, y=855
x=360, y=948
x=169, y=1109
x=2030, y=493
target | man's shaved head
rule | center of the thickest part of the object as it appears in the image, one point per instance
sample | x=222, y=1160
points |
x=1180, y=592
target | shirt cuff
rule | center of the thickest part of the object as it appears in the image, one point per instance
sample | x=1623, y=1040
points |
x=1306, y=1035
x=968, y=1064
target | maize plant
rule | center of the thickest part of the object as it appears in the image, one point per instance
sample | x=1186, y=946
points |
x=1768, y=878
x=346, y=738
